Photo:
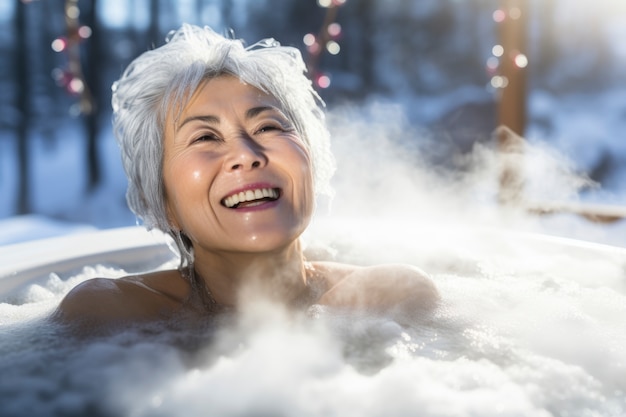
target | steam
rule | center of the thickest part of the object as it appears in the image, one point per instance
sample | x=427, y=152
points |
x=528, y=325
x=381, y=154
x=386, y=172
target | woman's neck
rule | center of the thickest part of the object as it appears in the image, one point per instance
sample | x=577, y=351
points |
x=234, y=278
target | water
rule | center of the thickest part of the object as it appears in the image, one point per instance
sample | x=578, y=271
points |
x=528, y=326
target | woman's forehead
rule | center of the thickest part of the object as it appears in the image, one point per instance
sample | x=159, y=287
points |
x=218, y=93
x=225, y=90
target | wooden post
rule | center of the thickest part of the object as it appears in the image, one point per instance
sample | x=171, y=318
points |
x=513, y=65
x=512, y=18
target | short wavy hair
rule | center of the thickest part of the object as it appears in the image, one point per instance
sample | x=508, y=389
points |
x=164, y=79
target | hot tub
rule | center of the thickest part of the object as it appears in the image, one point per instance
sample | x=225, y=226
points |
x=529, y=325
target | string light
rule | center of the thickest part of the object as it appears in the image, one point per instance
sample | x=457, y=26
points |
x=326, y=40
x=72, y=11
x=492, y=64
x=314, y=48
x=71, y=78
x=498, y=52
x=309, y=39
x=76, y=86
x=334, y=30
x=333, y=47
x=59, y=45
x=323, y=81
x=499, y=16
x=515, y=13
x=520, y=60
x=499, y=81
x=84, y=32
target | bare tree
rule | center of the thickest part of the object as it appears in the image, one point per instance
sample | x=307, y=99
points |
x=92, y=79
x=23, y=205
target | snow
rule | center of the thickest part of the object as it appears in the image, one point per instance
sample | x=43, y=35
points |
x=24, y=228
x=59, y=199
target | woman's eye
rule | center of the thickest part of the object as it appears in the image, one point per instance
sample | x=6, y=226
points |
x=205, y=138
x=276, y=126
x=268, y=128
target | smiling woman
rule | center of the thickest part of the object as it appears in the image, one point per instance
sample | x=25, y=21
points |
x=226, y=148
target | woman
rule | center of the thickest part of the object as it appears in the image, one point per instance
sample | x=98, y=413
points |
x=225, y=149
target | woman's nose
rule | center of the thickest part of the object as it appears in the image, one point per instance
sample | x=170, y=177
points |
x=245, y=154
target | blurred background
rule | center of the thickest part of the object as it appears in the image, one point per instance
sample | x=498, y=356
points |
x=551, y=70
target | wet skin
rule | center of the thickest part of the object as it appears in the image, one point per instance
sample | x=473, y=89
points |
x=239, y=184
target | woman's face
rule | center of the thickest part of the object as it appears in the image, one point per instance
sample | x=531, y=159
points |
x=237, y=175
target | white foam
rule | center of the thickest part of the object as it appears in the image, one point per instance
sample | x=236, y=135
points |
x=514, y=336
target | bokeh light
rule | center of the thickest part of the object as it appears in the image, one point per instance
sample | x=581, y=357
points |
x=333, y=47
x=515, y=13
x=323, y=81
x=492, y=64
x=499, y=81
x=58, y=45
x=309, y=39
x=497, y=50
x=76, y=86
x=314, y=48
x=84, y=32
x=334, y=29
x=73, y=12
x=499, y=16
x=521, y=61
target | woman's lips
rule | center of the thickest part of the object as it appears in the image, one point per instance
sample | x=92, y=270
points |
x=251, y=197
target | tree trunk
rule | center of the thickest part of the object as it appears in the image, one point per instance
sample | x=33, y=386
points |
x=154, y=32
x=366, y=17
x=92, y=78
x=23, y=204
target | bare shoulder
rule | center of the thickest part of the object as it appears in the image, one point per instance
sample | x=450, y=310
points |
x=139, y=297
x=379, y=288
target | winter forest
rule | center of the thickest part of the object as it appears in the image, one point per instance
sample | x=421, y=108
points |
x=435, y=66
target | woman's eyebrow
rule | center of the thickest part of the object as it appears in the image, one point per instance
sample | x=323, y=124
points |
x=255, y=111
x=209, y=119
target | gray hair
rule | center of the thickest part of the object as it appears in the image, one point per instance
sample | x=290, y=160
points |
x=165, y=78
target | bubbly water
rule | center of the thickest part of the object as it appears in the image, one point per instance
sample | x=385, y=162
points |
x=528, y=326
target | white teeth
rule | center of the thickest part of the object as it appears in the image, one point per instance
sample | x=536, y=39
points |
x=250, y=195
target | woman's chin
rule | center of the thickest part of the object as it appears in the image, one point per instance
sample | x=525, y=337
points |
x=259, y=240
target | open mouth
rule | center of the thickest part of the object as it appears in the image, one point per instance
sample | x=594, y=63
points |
x=250, y=198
